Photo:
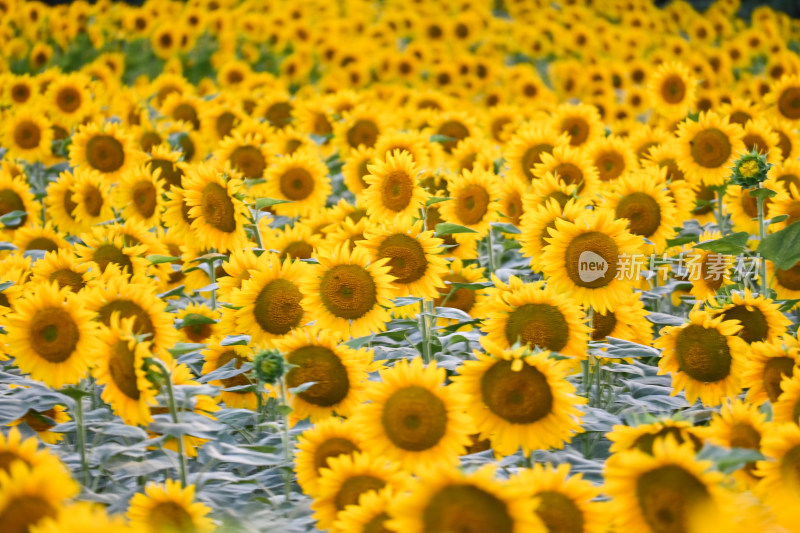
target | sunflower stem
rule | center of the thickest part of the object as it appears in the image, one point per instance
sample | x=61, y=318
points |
x=287, y=480
x=425, y=328
x=80, y=436
x=720, y=216
x=761, y=234
x=212, y=275
x=491, y=252
x=173, y=411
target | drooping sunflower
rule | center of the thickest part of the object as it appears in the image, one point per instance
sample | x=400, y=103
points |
x=581, y=122
x=392, y=188
x=780, y=483
x=705, y=357
x=106, y=148
x=526, y=146
x=446, y=499
x=583, y=258
x=643, y=436
x=328, y=438
x=43, y=422
x=760, y=317
x=349, y=292
x=218, y=215
x=120, y=368
x=708, y=148
x=413, y=418
x=348, y=477
x=785, y=96
x=15, y=195
x=52, y=335
x=564, y=502
x=766, y=366
x=27, y=135
x=241, y=395
x=139, y=195
x=270, y=300
x=30, y=495
x=519, y=399
x=168, y=508
x=668, y=490
x=414, y=255
x=474, y=199
x=302, y=179
x=672, y=90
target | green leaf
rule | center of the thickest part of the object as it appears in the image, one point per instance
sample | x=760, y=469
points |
x=208, y=257
x=261, y=203
x=439, y=138
x=196, y=319
x=448, y=228
x=505, y=227
x=680, y=241
x=733, y=244
x=436, y=199
x=782, y=247
x=6, y=284
x=763, y=193
x=302, y=387
x=75, y=393
x=158, y=259
x=779, y=218
x=13, y=219
x=787, y=305
x=478, y=285
x=284, y=410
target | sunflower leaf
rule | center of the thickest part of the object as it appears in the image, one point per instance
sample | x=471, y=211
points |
x=787, y=305
x=13, y=218
x=158, y=259
x=261, y=203
x=7, y=246
x=448, y=228
x=782, y=247
x=436, y=199
x=6, y=284
x=195, y=319
x=663, y=319
x=506, y=227
x=763, y=193
x=775, y=220
x=733, y=244
x=439, y=138
x=302, y=387
x=476, y=286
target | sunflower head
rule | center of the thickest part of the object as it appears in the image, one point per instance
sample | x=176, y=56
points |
x=750, y=170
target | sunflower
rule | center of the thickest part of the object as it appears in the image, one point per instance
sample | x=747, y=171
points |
x=421, y=422
x=198, y=323
x=474, y=199
x=15, y=195
x=30, y=495
x=643, y=199
x=760, y=317
x=269, y=303
x=43, y=238
x=414, y=142
x=90, y=195
x=414, y=257
x=27, y=135
x=780, y=484
x=758, y=136
x=52, y=335
x=579, y=250
x=785, y=96
x=471, y=301
x=668, y=490
x=369, y=515
x=13, y=449
x=301, y=179
x=787, y=139
x=392, y=189
x=612, y=156
x=177, y=214
x=121, y=370
x=628, y=321
x=246, y=153
x=42, y=423
x=82, y=517
x=526, y=146
x=241, y=394
x=348, y=477
x=743, y=208
x=355, y=169
x=539, y=218
x=106, y=148
x=69, y=98
x=705, y=357
x=240, y=266
x=564, y=502
x=168, y=508
x=446, y=499
x=218, y=215
x=644, y=436
x=785, y=204
x=472, y=154
x=672, y=90
x=106, y=246
x=295, y=242
x=580, y=121
x=362, y=125
x=708, y=148
x=328, y=438
x=570, y=166
x=139, y=195
x=514, y=418
x=767, y=365
x=707, y=270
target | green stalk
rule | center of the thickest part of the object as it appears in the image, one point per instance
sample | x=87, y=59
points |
x=491, y=252
x=719, y=214
x=287, y=480
x=425, y=328
x=761, y=233
x=80, y=433
x=212, y=274
x=173, y=410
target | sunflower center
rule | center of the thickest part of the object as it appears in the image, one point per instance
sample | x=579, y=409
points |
x=673, y=89
x=645, y=442
x=122, y=367
x=170, y=517
x=24, y=512
x=397, y=190
x=277, y=307
x=407, y=258
x=744, y=435
x=668, y=496
x=197, y=332
x=297, y=250
x=67, y=278
x=581, y=247
x=610, y=165
x=348, y=291
x=105, y=254
x=703, y=353
x=755, y=327
x=297, y=184
x=466, y=509
x=92, y=201
x=519, y=397
x=224, y=124
x=27, y=135
x=540, y=325
x=54, y=334
x=577, y=128
x=354, y=487
x=569, y=174
x=7, y=457
x=11, y=201
x=790, y=278
x=144, y=198
x=533, y=156
x=364, y=132
x=238, y=380
x=187, y=113
x=322, y=366
x=785, y=144
x=377, y=525
x=249, y=161
x=218, y=208
x=774, y=371
x=149, y=140
x=706, y=194
x=127, y=308
x=603, y=325
x=38, y=420
x=472, y=204
x=752, y=141
x=68, y=99
x=789, y=103
x=333, y=447
x=790, y=468
x=643, y=212
x=454, y=129
x=20, y=93
x=673, y=170
x=41, y=243
x=105, y=153
x=710, y=272
x=169, y=171
x=414, y=418
x=711, y=148
x=279, y=114
x=463, y=299
x=559, y=512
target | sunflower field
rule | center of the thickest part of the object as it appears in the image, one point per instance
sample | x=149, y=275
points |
x=390, y=266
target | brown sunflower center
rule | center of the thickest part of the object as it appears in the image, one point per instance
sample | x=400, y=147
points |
x=171, y=173
x=333, y=447
x=414, y=418
x=92, y=200
x=197, y=332
x=774, y=371
x=145, y=197
x=603, y=325
x=645, y=442
x=789, y=278
x=610, y=165
x=249, y=161
x=454, y=129
x=54, y=335
x=127, y=308
x=709, y=270
x=297, y=184
x=472, y=204
x=224, y=124
x=406, y=258
x=67, y=278
x=744, y=435
x=149, y=140
x=238, y=380
x=463, y=299
x=668, y=497
x=122, y=367
x=519, y=397
x=577, y=128
x=643, y=212
x=377, y=524
x=348, y=291
x=579, y=259
x=25, y=511
x=20, y=93
x=218, y=208
x=541, y=325
x=170, y=517
x=706, y=194
x=785, y=144
x=569, y=173
x=790, y=468
x=755, y=327
x=297, y=250
x=703, y=353
x=754, y=141
x=711, y=148
x=7, y=457
x=27, y=135
x=363, y=132
x=322, y=366
x=277, y=307
x=512, y=207
x=673, y=89
x=105, y=153
x=559, y=512
x=68, y=99
x=11, y=201
x=353, y=487
x=397, y=190
x=789, y=103
x=532, y=157
x=466, y=509
x=187, y=113
x=41, y=243
x=107, y=253
x=279, y=114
